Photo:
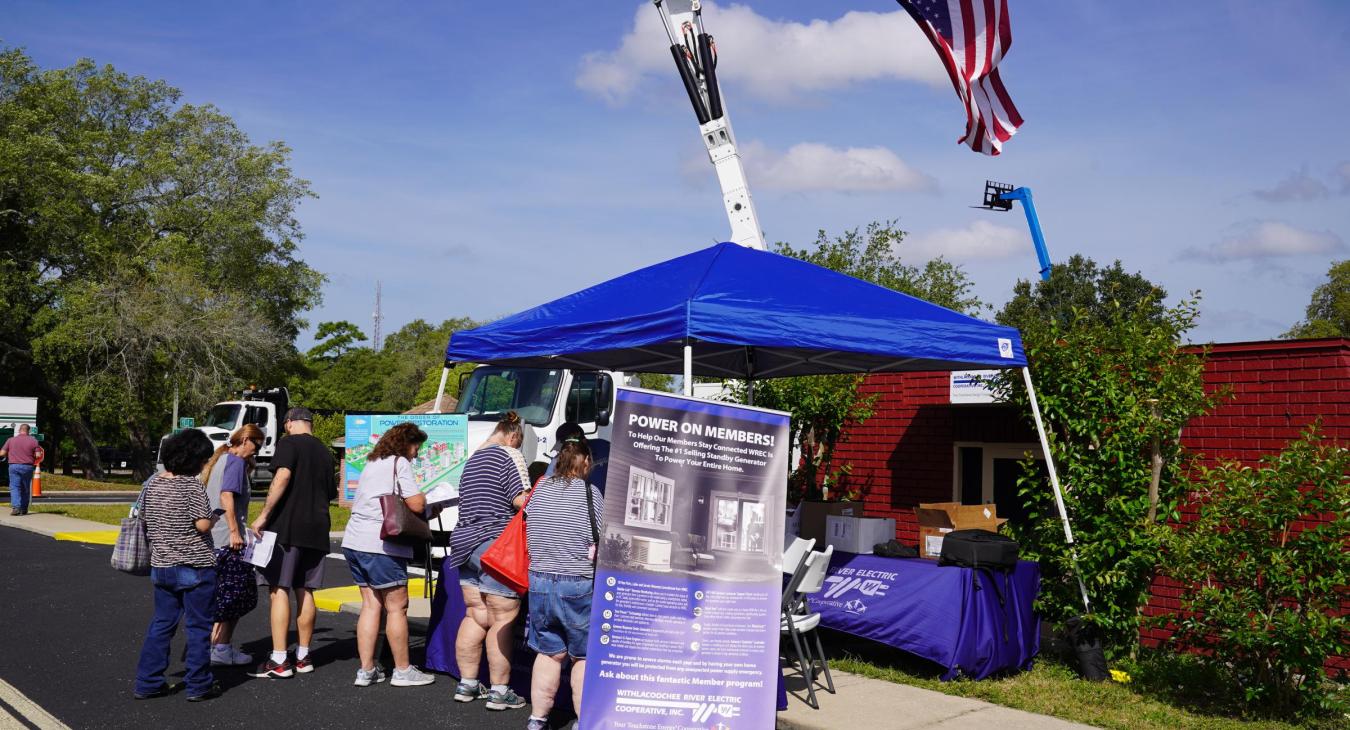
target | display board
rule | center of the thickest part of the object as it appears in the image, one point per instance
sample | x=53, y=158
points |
x=440, y=461
x=684, y=618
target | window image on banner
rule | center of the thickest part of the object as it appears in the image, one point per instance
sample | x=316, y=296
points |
x=685, y=614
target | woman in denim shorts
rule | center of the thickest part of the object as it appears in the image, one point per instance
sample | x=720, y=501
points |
x=563, y=522
x=378, y=566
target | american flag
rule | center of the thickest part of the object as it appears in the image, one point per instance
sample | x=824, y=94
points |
x=971, y=37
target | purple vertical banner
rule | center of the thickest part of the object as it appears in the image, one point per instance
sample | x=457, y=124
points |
x=685, y=614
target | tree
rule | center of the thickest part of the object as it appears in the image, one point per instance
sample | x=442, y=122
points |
x=822, y=404
x=1115, y=388
x=333, y=340
x=1264, y=568
x=150, y=248
x=1328, y=314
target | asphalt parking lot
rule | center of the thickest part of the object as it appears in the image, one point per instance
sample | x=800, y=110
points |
x=71, y=630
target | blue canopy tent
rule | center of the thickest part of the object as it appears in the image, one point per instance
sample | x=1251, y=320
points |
x=744, y=313
x=738, y=312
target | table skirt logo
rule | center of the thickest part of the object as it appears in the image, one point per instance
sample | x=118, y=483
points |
x=841, y=585
x=855, y=606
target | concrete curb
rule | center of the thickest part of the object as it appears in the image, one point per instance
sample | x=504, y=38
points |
x=49, y=524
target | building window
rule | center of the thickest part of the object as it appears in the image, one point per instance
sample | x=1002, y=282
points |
x=649, y=499
x=738, y=524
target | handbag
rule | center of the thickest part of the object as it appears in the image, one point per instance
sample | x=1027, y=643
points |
x=131, y=552
x=401, y=524
x=508, y=558
x=236, y=586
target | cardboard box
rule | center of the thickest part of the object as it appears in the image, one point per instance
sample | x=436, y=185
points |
x=858, y=534
x=939, y=518
x=813, y=516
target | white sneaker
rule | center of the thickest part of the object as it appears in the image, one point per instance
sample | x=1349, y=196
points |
x=231, y=657
x=411, y=677
x=365, y=679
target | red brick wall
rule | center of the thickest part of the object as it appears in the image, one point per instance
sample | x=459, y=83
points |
x=903, y=454
x=1278, y=388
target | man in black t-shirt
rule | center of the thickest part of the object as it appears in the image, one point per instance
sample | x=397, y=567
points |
x=303, y=483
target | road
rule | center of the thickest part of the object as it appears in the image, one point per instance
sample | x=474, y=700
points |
x=71, y=629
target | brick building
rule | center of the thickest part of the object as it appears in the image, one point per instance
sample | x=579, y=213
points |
x=919, y=446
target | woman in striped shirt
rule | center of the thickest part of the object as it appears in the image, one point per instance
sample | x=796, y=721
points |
x=491, y=489
x=563, y=523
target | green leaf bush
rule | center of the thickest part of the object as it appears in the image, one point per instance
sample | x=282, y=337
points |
x=1265, y=567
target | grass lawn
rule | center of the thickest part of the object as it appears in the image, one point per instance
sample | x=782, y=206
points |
x=1164, y=692
x=61, y=483
x=112, y=514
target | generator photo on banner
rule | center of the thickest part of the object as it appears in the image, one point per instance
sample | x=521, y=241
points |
x=684, y=618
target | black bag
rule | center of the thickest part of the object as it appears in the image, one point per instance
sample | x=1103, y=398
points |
x=893, y=549
x=979, y=549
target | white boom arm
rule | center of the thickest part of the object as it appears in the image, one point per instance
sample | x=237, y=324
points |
x=695, y=57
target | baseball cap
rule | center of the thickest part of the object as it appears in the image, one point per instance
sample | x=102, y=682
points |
x=299, y=413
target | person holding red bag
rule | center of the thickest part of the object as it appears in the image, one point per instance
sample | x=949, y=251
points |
x=491, y=489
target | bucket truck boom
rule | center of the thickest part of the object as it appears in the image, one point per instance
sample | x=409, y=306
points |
x=695, y=56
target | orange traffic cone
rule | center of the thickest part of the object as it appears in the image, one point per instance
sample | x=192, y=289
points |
x=37, y=475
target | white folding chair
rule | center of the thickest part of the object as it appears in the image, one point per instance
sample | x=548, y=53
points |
x=798, y=620
x=794, y=558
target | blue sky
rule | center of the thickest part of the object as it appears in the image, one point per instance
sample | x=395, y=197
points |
x=481, y=158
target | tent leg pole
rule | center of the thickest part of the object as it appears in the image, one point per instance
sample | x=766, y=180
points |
x=688, y=370
x=1054, y=482
x=749, y=392
x=440, y=391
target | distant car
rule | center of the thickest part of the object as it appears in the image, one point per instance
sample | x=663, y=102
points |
x=115, y=457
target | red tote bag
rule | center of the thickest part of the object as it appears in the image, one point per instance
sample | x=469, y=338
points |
x=508, y=558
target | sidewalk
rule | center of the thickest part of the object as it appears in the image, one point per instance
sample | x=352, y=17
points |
x=860, y=702
x=872, y=703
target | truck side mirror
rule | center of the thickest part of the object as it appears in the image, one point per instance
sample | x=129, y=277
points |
x=267, y=441
x=602, y=417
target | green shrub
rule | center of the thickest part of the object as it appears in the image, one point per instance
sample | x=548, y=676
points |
x=1263, y=585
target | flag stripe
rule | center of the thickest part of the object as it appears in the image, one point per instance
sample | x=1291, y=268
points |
x=972, y=37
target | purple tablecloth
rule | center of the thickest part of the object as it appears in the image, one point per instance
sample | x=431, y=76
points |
x=949, y=615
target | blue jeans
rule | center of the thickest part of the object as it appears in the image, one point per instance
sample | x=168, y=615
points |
x=560, y=614
x=20, y=486
x=181, y=593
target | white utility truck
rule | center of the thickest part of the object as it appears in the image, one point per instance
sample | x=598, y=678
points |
x=547, y=398
x=262, y=408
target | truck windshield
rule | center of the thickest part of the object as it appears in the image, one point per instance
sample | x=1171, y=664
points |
x=492, y=391
x=223, y=415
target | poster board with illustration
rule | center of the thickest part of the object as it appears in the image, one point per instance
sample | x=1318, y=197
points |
x=439, y=463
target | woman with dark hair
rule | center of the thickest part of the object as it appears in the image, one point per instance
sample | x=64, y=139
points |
x=563, y=521
x=226, y=477
x=178, y=522
x=378, y=566
x=491, y=489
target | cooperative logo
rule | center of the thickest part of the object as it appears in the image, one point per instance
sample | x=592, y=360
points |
x=1005, y=348
x=870, y=587
x=855, y=606
x=704, y=710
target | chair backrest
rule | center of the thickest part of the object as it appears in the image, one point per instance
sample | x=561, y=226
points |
x=814, y=577
x=795, y=554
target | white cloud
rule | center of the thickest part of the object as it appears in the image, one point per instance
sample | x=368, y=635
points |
x=980, y=240
x=1298, y=186
x=771, y=59
x=811, y=167
x=1268, y=239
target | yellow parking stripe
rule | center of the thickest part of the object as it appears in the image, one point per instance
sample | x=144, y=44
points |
x=97, y=537
x=331, y=599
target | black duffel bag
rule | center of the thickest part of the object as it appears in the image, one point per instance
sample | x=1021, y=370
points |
x=979, y=549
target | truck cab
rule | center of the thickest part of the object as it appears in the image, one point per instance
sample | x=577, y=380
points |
x=545, y=398
x=262, y=408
